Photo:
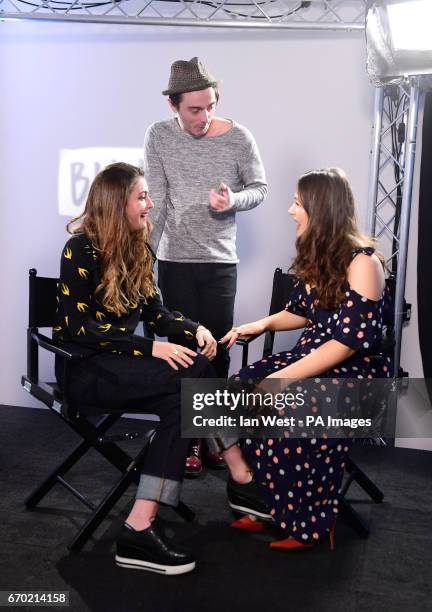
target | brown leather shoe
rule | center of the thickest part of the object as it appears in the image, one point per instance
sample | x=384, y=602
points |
x=194, y=465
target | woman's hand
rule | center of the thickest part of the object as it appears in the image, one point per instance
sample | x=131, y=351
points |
x=248, y=329
x=173, y=354
x=206, y=342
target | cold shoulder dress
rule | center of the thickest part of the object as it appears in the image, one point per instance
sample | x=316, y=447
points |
x=299, y=478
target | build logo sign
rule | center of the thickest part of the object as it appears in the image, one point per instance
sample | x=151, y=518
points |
x=77, y=169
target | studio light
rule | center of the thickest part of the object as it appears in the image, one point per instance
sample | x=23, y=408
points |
x=399, y=40
x=410, y=25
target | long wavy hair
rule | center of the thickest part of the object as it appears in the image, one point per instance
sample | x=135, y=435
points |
x=325, y=248
x=126, y=262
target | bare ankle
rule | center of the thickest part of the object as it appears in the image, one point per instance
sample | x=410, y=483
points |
x=242, y=477
x=239, y=469
x=142, y=514
x=138, y=524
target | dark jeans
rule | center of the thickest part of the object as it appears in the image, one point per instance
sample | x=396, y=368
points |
x=203, y=292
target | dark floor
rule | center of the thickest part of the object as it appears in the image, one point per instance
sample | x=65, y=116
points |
x=392, y=569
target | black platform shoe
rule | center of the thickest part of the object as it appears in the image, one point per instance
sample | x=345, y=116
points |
x=246, y=499
x=147, y=550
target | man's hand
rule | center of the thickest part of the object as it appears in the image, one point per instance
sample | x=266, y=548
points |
x=220, y=200
x=206, y=342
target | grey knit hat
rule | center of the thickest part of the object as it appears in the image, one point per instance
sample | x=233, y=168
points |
x=188, y=76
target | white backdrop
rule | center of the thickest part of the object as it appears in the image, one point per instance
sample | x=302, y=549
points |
x=305, y=97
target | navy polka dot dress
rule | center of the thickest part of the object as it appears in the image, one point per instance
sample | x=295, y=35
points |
x=300, y=478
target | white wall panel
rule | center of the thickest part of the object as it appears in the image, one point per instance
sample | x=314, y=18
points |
x=305, y=97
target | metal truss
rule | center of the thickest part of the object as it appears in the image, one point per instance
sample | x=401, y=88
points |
x=392, y=169
x=336, y=15
x=388, y=163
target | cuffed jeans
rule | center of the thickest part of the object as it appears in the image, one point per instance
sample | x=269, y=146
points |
x=144, y=385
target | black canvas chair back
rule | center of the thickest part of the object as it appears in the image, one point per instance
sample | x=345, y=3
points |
x=42, y=300
x=93, y=432
x=281, y=291
x=42, y=311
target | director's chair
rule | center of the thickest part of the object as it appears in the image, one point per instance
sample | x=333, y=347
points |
x=93, y=431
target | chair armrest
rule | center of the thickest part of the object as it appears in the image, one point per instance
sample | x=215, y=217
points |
x=55, y=347
x=244, y=342
x=71, y=354
x=248, y=339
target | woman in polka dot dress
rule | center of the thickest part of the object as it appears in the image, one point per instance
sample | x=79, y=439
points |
x=339, y=299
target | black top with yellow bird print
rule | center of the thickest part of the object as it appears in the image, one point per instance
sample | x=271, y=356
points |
x=81, y=318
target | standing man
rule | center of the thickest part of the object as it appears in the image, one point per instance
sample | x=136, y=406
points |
x=201, y=170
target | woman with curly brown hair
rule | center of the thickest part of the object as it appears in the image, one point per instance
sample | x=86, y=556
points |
x=106, y=287
x=338, y=299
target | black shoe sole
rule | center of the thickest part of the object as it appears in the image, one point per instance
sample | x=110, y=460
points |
x=212, y=466
x=167, y=570
x=191, y=474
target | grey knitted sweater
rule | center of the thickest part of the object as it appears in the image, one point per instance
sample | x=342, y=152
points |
x=180, y=171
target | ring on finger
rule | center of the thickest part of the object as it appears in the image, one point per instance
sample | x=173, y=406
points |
x=175, y=351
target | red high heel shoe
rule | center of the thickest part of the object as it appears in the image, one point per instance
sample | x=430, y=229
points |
x=290, y=543
x=246, y=523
